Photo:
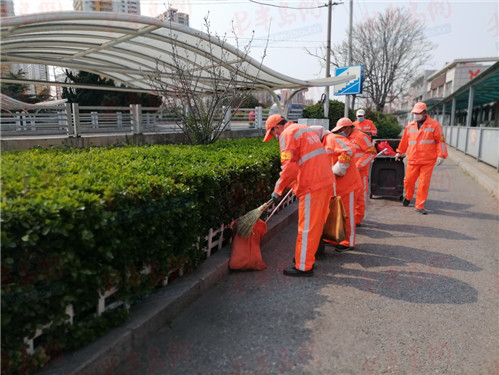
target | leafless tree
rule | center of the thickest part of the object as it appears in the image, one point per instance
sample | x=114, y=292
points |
x=203, y=88
x=392, y=47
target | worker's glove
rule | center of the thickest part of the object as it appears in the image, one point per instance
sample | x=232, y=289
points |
x=398, y=156
x=340, y=169
x=276, y=197
x=439, y=161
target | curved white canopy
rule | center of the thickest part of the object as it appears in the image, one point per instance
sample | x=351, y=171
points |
x=126, y=48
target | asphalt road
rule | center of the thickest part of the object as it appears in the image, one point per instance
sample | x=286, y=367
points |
x=418, y=295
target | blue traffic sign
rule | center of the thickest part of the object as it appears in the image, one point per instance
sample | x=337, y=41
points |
x=353, y=86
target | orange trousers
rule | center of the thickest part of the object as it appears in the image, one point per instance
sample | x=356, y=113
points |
x=349, y=203
x=422, y=174
x=313, y=209
x=361, y=196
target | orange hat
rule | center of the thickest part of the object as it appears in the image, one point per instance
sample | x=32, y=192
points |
x=342, y=123
x=271, y=123
x=419, y=107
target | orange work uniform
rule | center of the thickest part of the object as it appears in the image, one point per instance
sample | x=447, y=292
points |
x=341, y=150
x=364, y=155
x=367, y=126
x=306, y=167
x=422, y=146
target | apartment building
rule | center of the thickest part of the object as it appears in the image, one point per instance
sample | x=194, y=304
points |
x=173, y=15
x=119, y=6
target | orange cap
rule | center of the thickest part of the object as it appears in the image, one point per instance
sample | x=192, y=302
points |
x=271, y=123
x=419, y=107
x=342, y=123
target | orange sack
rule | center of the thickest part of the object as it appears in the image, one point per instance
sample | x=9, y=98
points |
x=245, y=254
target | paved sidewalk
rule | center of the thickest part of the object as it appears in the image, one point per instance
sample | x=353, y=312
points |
x=418, y=295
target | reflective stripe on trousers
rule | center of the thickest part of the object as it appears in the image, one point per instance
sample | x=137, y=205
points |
x=313, y=209
x=361, y=197
x=349, y=203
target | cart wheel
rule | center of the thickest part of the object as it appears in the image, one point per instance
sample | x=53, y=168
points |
x=370, y=196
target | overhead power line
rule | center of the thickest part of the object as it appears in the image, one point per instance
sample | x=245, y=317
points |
x=287, y=7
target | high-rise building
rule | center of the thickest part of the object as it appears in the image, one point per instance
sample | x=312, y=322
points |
x=6, y=10
x=34, y=72
x=119, y=6
x=173, y=15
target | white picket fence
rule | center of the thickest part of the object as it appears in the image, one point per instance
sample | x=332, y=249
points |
x=213, y=242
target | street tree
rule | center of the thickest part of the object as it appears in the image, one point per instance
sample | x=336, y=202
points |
x=201, y=91
x=392, y=46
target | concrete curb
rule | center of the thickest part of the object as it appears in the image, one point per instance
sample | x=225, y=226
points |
x=157, y=310
x=485, y=175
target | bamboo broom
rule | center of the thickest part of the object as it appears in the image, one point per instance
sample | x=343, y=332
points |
x=247, y=222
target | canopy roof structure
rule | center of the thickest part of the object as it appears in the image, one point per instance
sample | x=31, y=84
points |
x=485, y=89
x=10, y=104
x=126, y=49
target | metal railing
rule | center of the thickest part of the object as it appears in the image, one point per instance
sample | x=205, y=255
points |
x=479, y=142
x=73, y=120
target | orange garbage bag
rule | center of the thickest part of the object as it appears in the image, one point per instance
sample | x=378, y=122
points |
x=245, y=253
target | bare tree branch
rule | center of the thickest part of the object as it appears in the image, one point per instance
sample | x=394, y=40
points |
x=204, y=89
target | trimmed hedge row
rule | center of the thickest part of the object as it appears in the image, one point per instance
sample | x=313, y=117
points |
x=76, y=221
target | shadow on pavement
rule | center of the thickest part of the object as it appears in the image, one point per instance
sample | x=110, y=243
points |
x=423, y=278
x=380, y=230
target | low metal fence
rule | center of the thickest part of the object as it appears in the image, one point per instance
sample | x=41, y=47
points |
x=479, y=142
x=73, y=120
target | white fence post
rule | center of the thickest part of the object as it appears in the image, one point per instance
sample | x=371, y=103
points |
x=136, y=118
x=76, y=119
x=259, y=117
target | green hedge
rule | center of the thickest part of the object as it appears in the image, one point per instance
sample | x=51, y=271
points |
x=75, y=221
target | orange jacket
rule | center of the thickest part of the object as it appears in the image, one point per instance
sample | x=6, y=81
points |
x=303, y=160
x=423, y=145
x=365, y=152
x=340, y=149
x=367, y=126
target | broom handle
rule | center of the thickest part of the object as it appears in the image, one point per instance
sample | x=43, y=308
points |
x=279, y=205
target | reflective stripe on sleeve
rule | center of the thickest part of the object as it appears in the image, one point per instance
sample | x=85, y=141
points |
x=427, y=141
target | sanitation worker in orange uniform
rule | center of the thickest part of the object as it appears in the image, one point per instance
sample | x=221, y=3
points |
x=425, y=146
x=365, y=125
x=365, y=153
x=341, y=152
x=307, y=169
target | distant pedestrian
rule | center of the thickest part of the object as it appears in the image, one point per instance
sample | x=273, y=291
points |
x=348, y=183
x=307, y=170
x=424, y=143
x=365, y=125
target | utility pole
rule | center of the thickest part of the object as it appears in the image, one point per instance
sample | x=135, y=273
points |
x=328, y=58
x=347, y=97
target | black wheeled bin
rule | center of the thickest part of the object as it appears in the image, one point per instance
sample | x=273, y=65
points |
x=386, y=176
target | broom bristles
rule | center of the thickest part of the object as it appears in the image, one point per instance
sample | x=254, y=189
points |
x=247, y=222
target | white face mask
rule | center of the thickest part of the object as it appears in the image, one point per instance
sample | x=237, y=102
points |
x=418, y=117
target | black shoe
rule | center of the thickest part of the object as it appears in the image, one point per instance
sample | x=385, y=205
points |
x=421, y=211
x=343, y=248
x=321, y=251
x=292, y=271
x=406, y=202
